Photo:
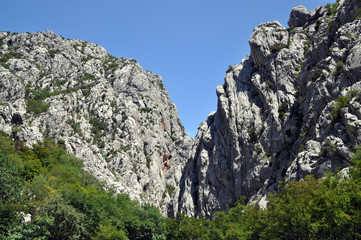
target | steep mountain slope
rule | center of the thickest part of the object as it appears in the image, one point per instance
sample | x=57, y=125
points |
x=107, y=111
x=290, y=109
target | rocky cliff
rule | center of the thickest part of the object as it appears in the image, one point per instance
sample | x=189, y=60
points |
x=107, y=111
x=290, y=109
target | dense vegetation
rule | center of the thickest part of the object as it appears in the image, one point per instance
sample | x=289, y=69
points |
x=328, y=208
x=67, y=203
x=64, y=201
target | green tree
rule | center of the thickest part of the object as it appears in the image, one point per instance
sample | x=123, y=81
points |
x=67, y=220
x=11, y=186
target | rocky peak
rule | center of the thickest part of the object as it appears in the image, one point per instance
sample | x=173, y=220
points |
x=289, y=109
x=107, y=111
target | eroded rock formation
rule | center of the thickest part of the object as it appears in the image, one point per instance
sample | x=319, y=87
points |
x=290, y=109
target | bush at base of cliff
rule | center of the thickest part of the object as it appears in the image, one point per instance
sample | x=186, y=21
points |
x=328, y=208
x=64, y=201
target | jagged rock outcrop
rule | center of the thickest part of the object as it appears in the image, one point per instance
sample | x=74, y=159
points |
x=290, y=109
x=107, y=111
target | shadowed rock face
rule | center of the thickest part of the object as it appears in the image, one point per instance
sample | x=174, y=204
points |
x=108, y=111
x=290, y=109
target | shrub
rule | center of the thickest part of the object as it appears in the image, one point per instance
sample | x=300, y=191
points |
x=307, y=45
x=354, y=94
x=269, y=84
x=282, y=109
x=277, y=47
x=67, y=220
x=10, y=55
x=340, y=103
x=88, y=76
x=331, y=9
x=328, y=148
x=147, y=110
x=97, y=125
x=161, y=85
x=59, y=83
x=316, y=73
x=66, y=202
x=87, y=58
x=52, y=53
x=253, y=136
x=75, y=126
x=36, y=106
x=97, y=130
x=43, y=74
x=339, y=68
x=229, y=69
x=170, y=189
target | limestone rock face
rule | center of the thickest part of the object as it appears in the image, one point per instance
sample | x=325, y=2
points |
x=290, y=109
x=107, y=111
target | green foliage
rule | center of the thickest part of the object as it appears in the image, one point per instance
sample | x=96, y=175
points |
x=229, y=69
x=98, y=125
x=75, y=126
x=170, y=189
x=98, y=131
x=269, y=84
x=329, y=24
x=331, y=9
x=10, y=55
x=292, y=31
x=307, y=45
x=87, y=58
x=316, y=73
x=59, y=83
x=88, y=76
x=277, y=47
x=36, y=103
x=161, y=85
x=327, y=208
x=354, y=94
x=253, y=136
x=146, y=110
x=36, y=106
x=52, y=53
x=328, y=149
x=110, y=64
x=187, y=228
x=43, y=74
x=339, y=68
x=37, y=230
x=65, y=202
x=282, y=109
x=11, y=199
x=67, y=221
x=340, y=103
x=110, y=232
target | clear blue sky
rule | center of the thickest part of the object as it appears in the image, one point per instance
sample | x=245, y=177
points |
x=190, y=43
